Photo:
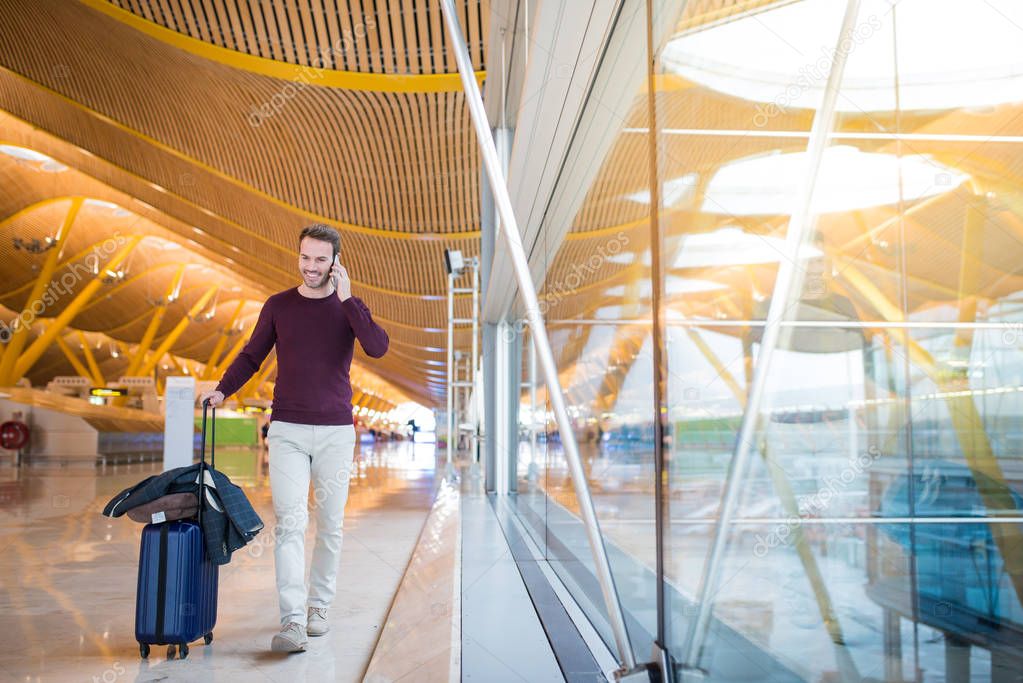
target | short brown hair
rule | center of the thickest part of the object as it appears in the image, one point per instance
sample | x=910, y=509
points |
x=322, y=232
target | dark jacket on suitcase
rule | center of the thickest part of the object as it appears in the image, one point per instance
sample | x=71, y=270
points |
x=228, y=520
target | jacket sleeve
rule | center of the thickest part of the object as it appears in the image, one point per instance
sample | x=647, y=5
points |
x=372, y=338
x=263, y=338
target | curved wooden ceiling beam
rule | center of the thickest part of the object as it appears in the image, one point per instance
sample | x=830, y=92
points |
x=226, y=177
x=346, y=80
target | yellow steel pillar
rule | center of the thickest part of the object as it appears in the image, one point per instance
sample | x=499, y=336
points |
x=233, y=353
x=178, y=330
x=97, y=376
x=10, y=358
x=154, y=325
x=211, y=363
x=969, y=267
x=73, y=359
x=253, y=384
x=36, y=349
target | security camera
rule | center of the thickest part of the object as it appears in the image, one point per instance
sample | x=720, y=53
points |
x=454, y=262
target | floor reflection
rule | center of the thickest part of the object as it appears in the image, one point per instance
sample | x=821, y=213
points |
x=69, y=574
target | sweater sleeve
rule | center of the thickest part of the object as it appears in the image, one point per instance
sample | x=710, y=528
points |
x=372, y=338
x=264, y=336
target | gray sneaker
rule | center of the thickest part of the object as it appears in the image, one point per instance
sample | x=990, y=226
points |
x=292, y=638
x=317, y=621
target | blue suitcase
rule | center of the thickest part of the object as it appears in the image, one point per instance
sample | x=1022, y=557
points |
x=177, y=589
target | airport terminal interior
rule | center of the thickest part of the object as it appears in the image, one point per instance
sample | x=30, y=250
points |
x=703, y=316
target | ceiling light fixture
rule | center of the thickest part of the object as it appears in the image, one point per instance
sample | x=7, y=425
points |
x=34, y=245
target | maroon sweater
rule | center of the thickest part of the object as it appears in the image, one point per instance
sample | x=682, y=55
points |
x=315, y=340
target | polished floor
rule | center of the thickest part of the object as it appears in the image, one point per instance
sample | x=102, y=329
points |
x=68, y=575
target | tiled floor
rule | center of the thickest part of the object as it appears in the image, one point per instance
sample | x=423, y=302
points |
x=68, y=576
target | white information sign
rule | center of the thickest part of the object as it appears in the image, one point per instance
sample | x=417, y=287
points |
x=179, y=424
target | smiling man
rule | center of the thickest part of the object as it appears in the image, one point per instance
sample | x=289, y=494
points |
x=311, y=437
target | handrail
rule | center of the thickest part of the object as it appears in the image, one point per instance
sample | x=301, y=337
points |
x=509, y=229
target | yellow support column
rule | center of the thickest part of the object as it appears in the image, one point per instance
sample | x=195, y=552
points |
x=178, y=330
x=154, y=325
x=233, y=353
x=8, y=375
x=253, y=384
x=969, y=268
x=211, y=364
x=73, y=359
x=32, y=354
x=97, y=376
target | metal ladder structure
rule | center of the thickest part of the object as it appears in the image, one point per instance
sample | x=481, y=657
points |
x=461, y=372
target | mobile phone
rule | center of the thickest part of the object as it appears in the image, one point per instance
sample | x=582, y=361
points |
x=334, y=278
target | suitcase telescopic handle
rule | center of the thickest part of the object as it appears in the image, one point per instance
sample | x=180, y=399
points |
x=213, y=436
x=202, y=454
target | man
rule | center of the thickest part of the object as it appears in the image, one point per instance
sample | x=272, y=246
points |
x=311, y=435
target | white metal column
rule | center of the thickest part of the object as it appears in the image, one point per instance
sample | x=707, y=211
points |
x=509, y=229
x=503, y=344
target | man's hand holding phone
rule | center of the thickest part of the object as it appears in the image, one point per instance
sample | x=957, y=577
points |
x=339, y=278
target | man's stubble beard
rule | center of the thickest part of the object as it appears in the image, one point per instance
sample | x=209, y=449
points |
x=323, y=282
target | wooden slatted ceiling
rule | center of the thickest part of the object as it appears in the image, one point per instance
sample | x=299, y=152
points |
x=372, y=36
x=376, y=164
x=414, y=311
x=347, y=156
x=263, y=229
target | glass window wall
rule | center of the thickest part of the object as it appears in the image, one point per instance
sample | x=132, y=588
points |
x=875, y=532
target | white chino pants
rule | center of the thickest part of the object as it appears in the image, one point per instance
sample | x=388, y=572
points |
x=300, y=454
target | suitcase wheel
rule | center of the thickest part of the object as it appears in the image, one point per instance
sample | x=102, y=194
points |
x=184, y=650
x=208, y=638
x=171, y=652
x=144, y=650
